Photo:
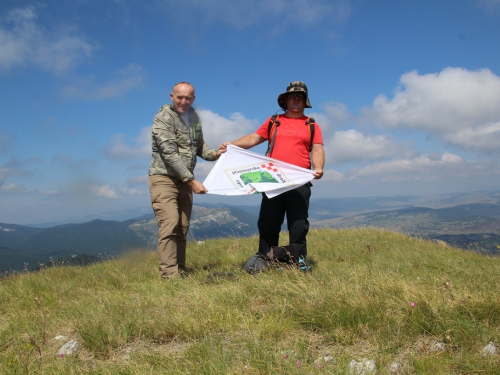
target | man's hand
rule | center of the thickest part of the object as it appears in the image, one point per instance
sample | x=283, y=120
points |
x=245, y=142
x=318, y=173
x=197, y=186
x=219, y=152
x=223, y=146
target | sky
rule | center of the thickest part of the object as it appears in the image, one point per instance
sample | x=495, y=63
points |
x=407, y=94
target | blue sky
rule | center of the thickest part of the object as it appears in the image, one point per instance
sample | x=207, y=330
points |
x=407, y=93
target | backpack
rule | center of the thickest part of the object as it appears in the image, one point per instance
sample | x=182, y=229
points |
x=273, y=129
x=257, y=263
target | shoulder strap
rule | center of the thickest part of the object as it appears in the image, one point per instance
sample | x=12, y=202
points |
x=310, y=122
x=272, y=129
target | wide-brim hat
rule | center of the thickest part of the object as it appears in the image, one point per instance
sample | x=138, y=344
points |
x=296, y=86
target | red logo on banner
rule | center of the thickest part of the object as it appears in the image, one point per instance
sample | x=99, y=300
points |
x=270, y=167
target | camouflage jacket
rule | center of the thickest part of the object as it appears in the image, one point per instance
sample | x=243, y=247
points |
x=175, y=145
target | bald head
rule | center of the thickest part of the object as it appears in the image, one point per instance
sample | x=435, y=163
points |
x=182, y=97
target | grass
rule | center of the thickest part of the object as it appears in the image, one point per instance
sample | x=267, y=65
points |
x=373, y=294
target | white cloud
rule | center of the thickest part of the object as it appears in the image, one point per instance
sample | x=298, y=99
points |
x=334, y=114
x=485, y=138
x=424, y=175
x=352, y=145
x=454, y=100
x=125, y=191
x=139, y=180
x=202, y=169
x=24, y=42
x=110, y=192
x=129, y=78
x=12, y=188
x=217, y=129
x=489, y=5
x=275, y=15
x=331, y=175
x=104, y=191
x=141, y=146
x=49, y=192
x=421, y=168
x=16, y=167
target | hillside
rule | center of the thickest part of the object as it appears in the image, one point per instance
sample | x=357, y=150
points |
x=25, y=247
x=470, y=226
x=394, y=303
x=469, y=221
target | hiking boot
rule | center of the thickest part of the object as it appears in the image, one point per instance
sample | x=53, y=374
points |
x=303, y=265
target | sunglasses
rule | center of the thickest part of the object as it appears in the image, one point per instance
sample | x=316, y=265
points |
x=295, y=95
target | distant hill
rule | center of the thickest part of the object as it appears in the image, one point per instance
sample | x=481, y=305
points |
x=470, y=226
x=23, y=247
x=470, y=221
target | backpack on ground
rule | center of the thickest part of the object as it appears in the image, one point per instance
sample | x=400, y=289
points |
x=257, y=263
x=277, y=257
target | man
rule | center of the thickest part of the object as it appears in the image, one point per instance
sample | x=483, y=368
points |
x=291, y=143
x=177, y=139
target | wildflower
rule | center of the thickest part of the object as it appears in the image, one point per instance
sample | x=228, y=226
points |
x=285, y=356
x=413, y=304
x=62, y=355
x=299, y=364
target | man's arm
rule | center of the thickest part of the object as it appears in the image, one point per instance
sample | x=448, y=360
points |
x=318, y=160
x=165, y=149
x=245, y=142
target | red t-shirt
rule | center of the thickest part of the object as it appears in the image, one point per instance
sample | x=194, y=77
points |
x=292, y=140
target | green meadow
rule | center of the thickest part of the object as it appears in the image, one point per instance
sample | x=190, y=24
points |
x=410, y=305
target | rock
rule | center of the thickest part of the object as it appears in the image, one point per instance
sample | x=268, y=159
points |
x=68, y=348
x=438, y=347
x=325, y=359
x=329, y=359
x=395, y=367
x=364, y=367
x=489, y=349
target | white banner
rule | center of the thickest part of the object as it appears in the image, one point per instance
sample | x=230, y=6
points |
x=241, y=172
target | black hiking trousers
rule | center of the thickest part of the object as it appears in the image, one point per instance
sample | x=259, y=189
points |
x=295, y=204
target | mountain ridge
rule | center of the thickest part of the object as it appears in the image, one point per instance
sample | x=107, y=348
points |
x=460, y=220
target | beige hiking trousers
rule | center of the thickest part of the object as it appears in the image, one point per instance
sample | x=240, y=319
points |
x=172, y=203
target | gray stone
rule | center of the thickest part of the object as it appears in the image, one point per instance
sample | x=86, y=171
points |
x=489, y=349
x=68, y=348
x=363, y=367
